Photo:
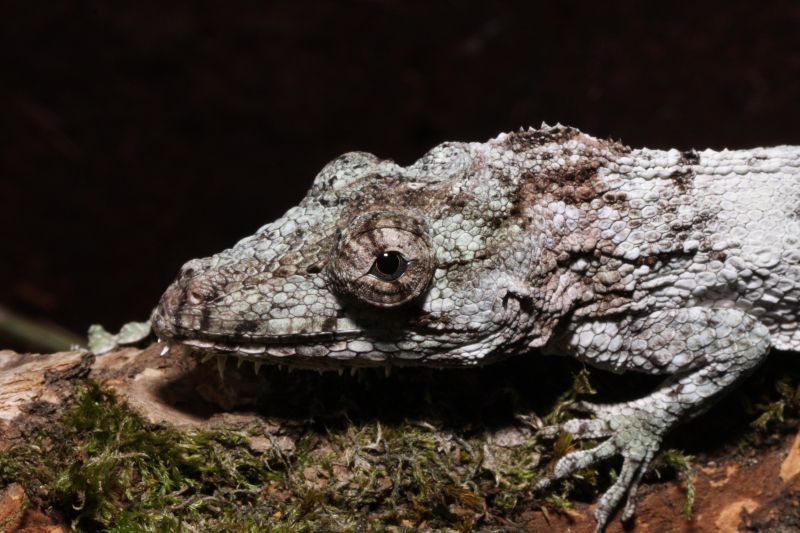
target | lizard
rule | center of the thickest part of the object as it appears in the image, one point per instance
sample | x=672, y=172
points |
x=679, y=264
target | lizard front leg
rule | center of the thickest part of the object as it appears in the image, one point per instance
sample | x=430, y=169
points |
x=703, y=351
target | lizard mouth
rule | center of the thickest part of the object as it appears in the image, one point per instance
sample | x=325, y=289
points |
x=316, y=350
x=320, y=351
x=317, y=343
x=277, y=346
x=252, y=337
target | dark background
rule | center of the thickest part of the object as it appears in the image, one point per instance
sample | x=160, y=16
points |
x=133, y=138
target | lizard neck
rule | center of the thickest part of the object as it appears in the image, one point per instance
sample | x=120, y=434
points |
x=643, y=217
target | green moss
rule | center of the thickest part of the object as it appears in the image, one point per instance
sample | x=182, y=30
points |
x=565, y=443
x=105, y=468
x=580, y=386
x=777, y=409
x=102, y=467
x=788, y=401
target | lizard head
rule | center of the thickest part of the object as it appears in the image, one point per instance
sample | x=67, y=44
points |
x=379, y=264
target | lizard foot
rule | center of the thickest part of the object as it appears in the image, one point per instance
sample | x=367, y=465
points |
x=631, y=432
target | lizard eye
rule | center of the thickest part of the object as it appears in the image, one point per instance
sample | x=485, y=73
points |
x=382, y=259
x=389, y=266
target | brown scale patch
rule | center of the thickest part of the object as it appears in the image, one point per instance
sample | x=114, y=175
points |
x=615, y=197
x=316, y=267
x=430, y=320
x=329, y=324
x=532, y=140
x=392, y=193
x=527, y=140
x=718, y=255
x=574, y=183
x=690, y=157
x=649, y=260
x=684, y=176
x=244, y=327
x=284, y=271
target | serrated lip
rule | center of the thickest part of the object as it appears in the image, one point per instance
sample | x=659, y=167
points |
x=286, y=354
x=279, y=332
x=260, y=345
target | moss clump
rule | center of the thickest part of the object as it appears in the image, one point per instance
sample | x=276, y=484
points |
x=771, y=400
x=102, y=467
x=580, y=386
x=106, y=468
x=362, y=453
x=788, y=403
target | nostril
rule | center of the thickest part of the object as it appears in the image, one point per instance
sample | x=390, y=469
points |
x=186, y=273
x=194, y=297
x=199, y=291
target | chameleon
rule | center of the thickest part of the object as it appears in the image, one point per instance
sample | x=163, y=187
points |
x=679, y=264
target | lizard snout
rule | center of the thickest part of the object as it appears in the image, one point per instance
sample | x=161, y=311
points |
x=185, y=298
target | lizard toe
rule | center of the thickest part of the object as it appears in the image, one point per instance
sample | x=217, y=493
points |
x=583, y=428
x=633, y=489
x=633, y=468
x=580, y=428
x=632, y=433
x=575, y=461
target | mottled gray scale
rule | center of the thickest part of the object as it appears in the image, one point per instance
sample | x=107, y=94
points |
x=680, y=264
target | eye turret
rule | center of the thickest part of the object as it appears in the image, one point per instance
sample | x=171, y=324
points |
x=383, y=259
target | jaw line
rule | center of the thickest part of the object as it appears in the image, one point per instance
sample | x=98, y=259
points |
x=283, y=353
x=282, y=350
x=231, y=342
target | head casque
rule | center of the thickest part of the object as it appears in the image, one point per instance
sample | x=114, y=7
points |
x=379, y=264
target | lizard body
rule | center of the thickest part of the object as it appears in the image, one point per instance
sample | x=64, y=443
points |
x=680, y=264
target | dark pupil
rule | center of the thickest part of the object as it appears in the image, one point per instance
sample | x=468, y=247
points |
x=389, y=266
x=388, y=263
